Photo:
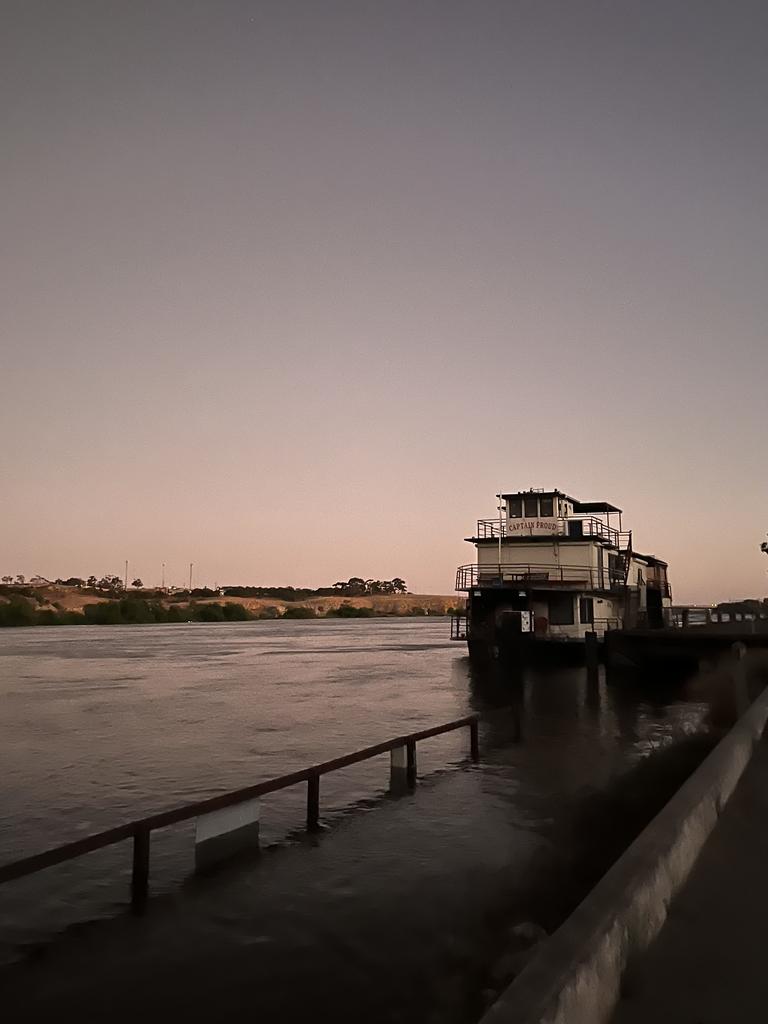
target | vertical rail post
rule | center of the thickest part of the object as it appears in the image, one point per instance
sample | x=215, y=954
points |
x=140, y=872
x=410, y=762
x=313, y=802
x=474, y=740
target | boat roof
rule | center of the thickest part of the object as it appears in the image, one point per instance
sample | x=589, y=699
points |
x=650, y=559
x=578, y=506
x=594, y=506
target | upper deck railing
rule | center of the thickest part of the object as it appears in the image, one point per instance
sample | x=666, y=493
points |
x=589, y=527
x=469, y=576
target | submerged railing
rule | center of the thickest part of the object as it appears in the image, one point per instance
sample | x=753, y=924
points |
x=403, y=750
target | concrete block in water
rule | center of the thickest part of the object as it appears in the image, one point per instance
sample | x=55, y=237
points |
x=222, y=834
x=402, y=768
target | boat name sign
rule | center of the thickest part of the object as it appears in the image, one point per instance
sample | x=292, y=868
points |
x=531, y=527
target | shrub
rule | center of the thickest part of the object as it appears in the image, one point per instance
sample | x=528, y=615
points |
x=299, y=613
x=349, y=611
x=236, y=613
x=17, y=612
x=210, y=613
x=107, y=614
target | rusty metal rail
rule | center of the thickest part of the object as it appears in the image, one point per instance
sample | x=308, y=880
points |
x=141, y=829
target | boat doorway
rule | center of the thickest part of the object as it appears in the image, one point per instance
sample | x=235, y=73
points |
x=654, y=608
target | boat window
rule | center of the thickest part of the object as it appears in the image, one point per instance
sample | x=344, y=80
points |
x=561, y=610
x=546, y=507
x=531, y=508
x=586, y=609
x=515, y=507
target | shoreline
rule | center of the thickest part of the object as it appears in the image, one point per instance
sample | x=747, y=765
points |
x=52, y=606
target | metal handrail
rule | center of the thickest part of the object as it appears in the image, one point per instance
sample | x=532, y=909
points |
x=469, y=576
x=140, y=829
x=592, y=528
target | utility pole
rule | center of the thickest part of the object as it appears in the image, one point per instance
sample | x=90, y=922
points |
x=126, y=574
x=162, y=585
x=190, y=576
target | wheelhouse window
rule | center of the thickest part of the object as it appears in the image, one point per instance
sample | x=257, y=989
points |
x=586, y=610
x=561, y=610
x=546, y=507
x=531, y=506
x=515, y=508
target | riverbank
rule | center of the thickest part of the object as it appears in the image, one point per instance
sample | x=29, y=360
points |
x=67, y=606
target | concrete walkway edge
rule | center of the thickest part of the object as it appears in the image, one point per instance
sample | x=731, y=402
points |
x=576, y=977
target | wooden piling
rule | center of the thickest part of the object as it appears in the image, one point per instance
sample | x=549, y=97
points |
x=140, y=872
x=313, y=802
x=474, y=740
x=410, y=755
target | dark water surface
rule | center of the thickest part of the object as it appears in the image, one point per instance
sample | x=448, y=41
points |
x=384, y=917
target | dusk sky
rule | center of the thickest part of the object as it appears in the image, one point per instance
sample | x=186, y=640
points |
x=291, y=289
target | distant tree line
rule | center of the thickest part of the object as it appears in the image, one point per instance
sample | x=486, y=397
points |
x=356, y=586
x=114, y=586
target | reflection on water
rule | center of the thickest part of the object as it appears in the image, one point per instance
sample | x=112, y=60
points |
x=400, y=899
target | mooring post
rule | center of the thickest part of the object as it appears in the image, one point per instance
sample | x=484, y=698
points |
x=140, y=873
x=474, y=740
x=313, y=802
x=402, y=773
x=410, y=756
x=592, y=659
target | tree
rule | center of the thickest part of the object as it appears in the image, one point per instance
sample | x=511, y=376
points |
x=399, y=586
x=7, y=579
x=112, y=584
x=91, y=582
x=137, y=583
x=20, y=578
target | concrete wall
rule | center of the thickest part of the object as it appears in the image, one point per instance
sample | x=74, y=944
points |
x=576, y=977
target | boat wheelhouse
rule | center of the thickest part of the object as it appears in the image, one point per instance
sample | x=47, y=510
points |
x=557, y=569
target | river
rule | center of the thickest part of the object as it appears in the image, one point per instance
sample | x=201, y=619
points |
x=104, y=724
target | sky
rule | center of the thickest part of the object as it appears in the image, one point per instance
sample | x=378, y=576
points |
x=292, y=289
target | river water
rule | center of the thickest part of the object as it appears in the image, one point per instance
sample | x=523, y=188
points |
x=393, y=902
